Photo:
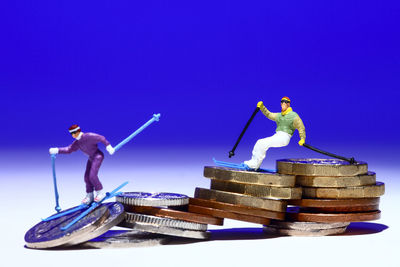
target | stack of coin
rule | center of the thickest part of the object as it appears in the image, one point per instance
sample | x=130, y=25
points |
x=164, y=213
x=334, y=191
x=247, y=196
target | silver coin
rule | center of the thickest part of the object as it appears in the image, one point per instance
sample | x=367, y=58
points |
x=306, y=226
x=152, y=199
x=165, y=230
x=131, y=217
x=47, y=234
x=295, y=232
x=116, y=216
x=126, y=239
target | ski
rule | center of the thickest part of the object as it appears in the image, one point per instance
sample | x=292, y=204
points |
x=240, y=166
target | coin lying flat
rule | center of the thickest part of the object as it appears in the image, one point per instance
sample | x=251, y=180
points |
x=294, y=232
x=338, y=181
x=334, y=203
x=234, y=198
x=176, y=214
x=126, y=239
x=131, y=217
x=333, y=217
x=116, y=211
x=240, y=209
x=250, y=177
x=48, y=234
x=257, y=190
x=367, y=191
x=228, y=214
x=165, y=230
x=320, y=167
x=341, y=209
x=307, y=226
x=152, y=199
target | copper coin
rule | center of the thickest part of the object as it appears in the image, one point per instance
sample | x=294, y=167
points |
x=333, y=217
x=240, y=209
x=342, y=209
x=325, y=203
x=175, y=214
x=228, y=214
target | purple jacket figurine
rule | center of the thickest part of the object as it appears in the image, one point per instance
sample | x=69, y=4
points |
x=87, y=142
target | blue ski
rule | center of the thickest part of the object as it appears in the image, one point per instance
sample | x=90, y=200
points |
x=240, y=166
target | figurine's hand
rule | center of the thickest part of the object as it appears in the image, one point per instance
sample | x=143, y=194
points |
x=53, y=150
x=110, y=149
x=260, y=104
x=301, y=142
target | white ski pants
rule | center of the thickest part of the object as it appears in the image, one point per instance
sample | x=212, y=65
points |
x=279, y=139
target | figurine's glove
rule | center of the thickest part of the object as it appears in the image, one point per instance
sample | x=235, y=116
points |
x=53, y=150
x=260, y=104
x=301, y=142
x=110, y=149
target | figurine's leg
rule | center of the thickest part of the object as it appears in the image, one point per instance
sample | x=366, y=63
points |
x=279, y=139
x=89, y=185
x=94, y=170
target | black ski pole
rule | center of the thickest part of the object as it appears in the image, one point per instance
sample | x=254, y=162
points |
x=232, y=152
x=350, y=160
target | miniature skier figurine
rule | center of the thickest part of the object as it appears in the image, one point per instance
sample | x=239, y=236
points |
x=87, y=142
x=287, y=122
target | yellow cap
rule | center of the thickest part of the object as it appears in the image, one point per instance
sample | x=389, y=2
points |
x=286, y=98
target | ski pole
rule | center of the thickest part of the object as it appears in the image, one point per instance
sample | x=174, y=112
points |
x=156, y=117
x=232, y=152
x=53, y=165
x=350, y=160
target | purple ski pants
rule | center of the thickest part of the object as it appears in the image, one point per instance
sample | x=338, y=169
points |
x=92, y=169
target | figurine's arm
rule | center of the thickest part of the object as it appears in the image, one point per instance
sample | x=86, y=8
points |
x=266, y=112
x=104, y=141
x=69, y=149
x=299, y=125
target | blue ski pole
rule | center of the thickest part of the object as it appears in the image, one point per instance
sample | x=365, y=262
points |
x=156, y=117
x=53, y=165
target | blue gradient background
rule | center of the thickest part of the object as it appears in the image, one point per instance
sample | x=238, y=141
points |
x=109, y=65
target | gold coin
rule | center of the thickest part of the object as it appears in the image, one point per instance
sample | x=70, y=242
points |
x=320, y=167
x=338, y=181
x=257, y=190
x=366, y=191
x=250, y=177
x=239, y=199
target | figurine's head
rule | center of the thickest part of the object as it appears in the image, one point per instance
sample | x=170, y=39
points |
x=74, y=130
x=285, y=103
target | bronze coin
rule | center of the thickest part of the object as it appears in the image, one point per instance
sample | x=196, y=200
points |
x=240, y=209
x=325, y=203
x=365, y=191
x=228, y=214
x=333, y=217
x=175, y=214
x=342, y=209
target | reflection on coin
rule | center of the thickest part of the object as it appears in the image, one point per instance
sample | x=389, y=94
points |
x=320, y=167
x=338, y=181
x=116, y=211
x=250, y=177
x=367, y=191
x=258, y=190
x=165, y=230
x=152, y=199
x=47, y=234
x=306, y=226
x=126, y=239
x=234, y=198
